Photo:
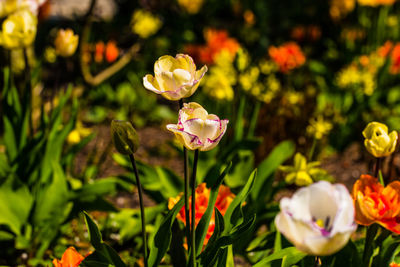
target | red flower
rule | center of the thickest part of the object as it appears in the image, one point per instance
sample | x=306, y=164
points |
x=224, y=199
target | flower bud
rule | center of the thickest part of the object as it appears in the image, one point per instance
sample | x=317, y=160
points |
x=66, y=42
x=124, y=137
x=377, y=140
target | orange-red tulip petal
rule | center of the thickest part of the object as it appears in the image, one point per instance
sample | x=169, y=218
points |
x=377, y=204
x=70, y=258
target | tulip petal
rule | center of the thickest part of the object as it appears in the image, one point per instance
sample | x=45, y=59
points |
x=200, y=73
x=181, y=77
x=189, y=140
x=151, y=84
x=211, y=143
x=164, y=63
x=322, y=246
x=185, y=62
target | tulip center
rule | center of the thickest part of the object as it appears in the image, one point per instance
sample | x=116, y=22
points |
x=323, y=225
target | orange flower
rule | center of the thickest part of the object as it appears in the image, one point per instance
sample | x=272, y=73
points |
x=70, y=258
x=224, y=199
x=395, y=58
x=217, y=41
x=385, y=49
x=377, y=204
x=287, y=56
x=393, y=264
x=99, y=52
x=111, y=51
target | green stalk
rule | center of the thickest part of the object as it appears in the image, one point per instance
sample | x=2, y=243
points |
x=368, y=248
x=186, y=189
x=28, y=89
x=142, y=215
x=312, y=149
x=377, y=166
x=254, y=117
x=193, y=226
x=239, y=119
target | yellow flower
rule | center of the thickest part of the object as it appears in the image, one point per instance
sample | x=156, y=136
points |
x=340, y=8
x=375, y=3
x=66, y=42
x=76, y=135
x=19, y=30
x=377, y=140
x=144, y=23
x=196, y=129
x=218, y=85
x=50, y=54
x=318, y=127
x=9, y=6
x=191, y=6
x=303, y=173
x=175, y=78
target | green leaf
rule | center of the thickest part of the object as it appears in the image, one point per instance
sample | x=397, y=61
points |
x=51, y=209
x=162, y=238
x=202, y=227
x=17, y=203
x=103, y=252
x=94, y=233
x=238, y=201
x=267, y=167
x=289, y=257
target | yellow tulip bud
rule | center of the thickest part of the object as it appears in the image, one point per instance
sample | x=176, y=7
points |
x=377, y=140
x=124, y=137
x=66, y=42
x=18, y=30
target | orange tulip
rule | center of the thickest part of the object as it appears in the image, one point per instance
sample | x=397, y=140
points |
x=217, y=41
x=377, y=204
x=112, y=51
x=99, y=52
x=224, y=199
x=70, y=258
x=287, y=56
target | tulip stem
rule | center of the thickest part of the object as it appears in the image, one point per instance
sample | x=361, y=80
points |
x=28, y=89
x=318, y=262
x=186, y=189
x=193, y=226
x=142, y=215
x=377, y=166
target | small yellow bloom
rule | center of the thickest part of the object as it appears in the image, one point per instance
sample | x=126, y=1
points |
x=174, y=78
x=19, y=30
x=66, y=42
x=191, y=6
x=377, y=140
x=50, y=54
x=318, y=127
x=144, y=23
x=76, y=135
x=303, y=173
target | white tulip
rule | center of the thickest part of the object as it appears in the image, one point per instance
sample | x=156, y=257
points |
x=318, y=219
